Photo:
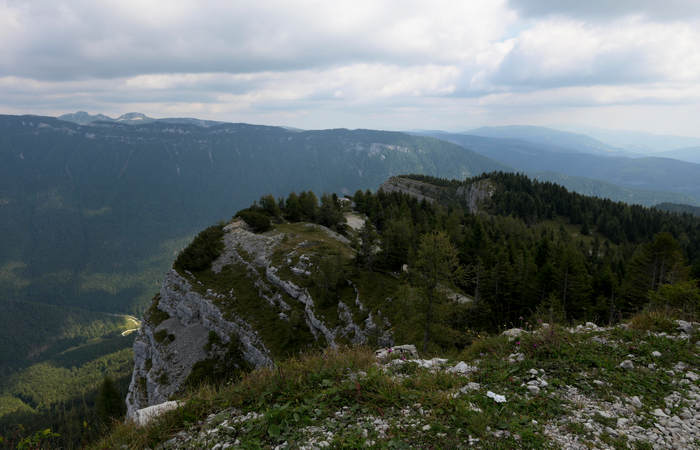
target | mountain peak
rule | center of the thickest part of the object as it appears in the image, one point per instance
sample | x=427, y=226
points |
x=84, y=118
x=134, y=117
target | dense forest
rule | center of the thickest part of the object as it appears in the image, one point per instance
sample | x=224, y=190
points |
x=534, y=251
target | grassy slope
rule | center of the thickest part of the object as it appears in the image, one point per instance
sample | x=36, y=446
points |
x=378, y=292
x=346, y=399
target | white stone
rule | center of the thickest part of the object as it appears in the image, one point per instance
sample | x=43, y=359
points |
x=635, y=401
x=692, y=376
x=143, y=416
x=515, y=357
x=407, y=351
x=656, y=354
x=534, y=390
x=513, y=333
x=462, y=368
x=684, y=326
x=627, y=364
x=496, y=397
x=658, y=413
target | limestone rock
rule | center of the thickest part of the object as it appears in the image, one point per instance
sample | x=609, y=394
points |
x=513, y=333
x=143, y=416
x=406, y=351
x=627, y=364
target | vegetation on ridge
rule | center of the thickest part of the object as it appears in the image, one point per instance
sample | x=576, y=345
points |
x=345, y=399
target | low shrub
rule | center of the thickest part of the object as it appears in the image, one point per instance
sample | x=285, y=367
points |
x=204, y=249
x=258, y=221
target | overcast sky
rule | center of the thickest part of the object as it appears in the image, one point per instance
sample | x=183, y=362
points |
x=627, y=64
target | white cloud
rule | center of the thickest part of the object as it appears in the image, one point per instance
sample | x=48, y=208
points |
x=392, y=64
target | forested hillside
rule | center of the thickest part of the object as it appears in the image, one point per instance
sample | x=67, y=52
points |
x=91, y=217
x=680, y=209
x=646, y=180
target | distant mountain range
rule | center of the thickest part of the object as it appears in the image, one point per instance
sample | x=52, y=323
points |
x=680, y=209
x=90, y=215
x=562, y=140
x=132, y=118
x=665, y=179
x=689, y=154
x=638, y=142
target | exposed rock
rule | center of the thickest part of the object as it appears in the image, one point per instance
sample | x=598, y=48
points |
x=513, y=333
x=462, y=368
x=414, y=188
x=686, y=327
x=476, y=194
x=496, y=397
x=635, y=401
x=161, y=366
x=516, y=357
x=196, y=328
x=627, y=364
x=142, y=416
x=407, y=351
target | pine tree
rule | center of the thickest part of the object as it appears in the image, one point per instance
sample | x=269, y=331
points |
x=109, y=403
x=436, y=262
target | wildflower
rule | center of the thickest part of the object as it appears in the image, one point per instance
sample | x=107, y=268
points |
x=390, y=350
x=534, y=345
x=517, y=343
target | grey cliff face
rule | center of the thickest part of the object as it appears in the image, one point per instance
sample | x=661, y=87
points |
x=476, y=194
x=414, y=188
x=191, y=313
x=162, y=365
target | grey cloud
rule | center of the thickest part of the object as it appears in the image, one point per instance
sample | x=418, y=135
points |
x=654, y=10
x=523, y=71
x=79, y=40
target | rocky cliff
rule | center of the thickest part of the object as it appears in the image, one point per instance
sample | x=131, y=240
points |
x=472, y=195
x=254, y=305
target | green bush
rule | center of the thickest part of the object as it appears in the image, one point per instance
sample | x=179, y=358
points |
x=205, y=248
x=679, y=299
x=258, y=221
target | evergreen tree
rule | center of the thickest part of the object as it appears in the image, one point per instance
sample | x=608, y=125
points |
x=436, y=263
x=109, y=403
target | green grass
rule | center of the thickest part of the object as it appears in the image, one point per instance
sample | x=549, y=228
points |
x=345, y=392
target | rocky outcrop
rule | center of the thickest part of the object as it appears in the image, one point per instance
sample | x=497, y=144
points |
x=475, y=194
x=165, y=353
x=414, y=188
x=193, y=322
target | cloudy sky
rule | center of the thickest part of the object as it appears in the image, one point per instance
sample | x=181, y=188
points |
x=626, y=64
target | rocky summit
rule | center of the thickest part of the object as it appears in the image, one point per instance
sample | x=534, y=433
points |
x=245, y=310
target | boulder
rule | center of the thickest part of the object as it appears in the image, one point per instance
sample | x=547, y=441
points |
x=143, y=416
x=627, y=364
x=407, y=351
x=513, y=333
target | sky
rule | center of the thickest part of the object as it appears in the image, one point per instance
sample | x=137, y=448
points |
x=450, y=65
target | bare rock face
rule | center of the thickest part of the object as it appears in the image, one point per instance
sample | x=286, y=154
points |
x=193, y=322
x=476, y=194
x=164, y=354
x=414, y=188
